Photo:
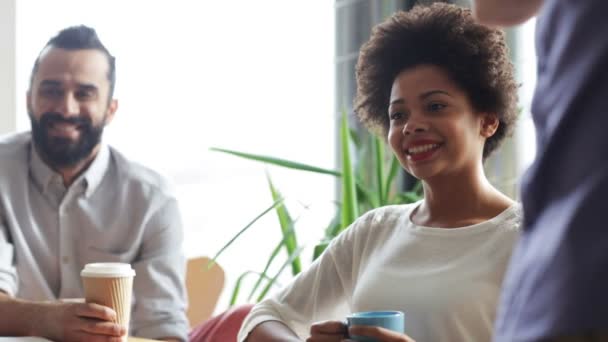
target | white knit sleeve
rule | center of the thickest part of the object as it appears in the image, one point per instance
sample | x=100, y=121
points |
x=321, y=292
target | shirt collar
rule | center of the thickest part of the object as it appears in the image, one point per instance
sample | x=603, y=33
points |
x=44, y=176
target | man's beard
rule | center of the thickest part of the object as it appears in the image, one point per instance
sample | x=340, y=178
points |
x=59, y=151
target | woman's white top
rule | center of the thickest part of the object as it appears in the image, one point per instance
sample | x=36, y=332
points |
x=446, y=280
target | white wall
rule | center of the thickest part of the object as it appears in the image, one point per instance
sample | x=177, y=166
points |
x=7, y=66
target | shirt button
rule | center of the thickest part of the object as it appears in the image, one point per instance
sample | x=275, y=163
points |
x=65, y=259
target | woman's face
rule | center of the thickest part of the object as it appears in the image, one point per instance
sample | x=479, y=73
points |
x=434, y=130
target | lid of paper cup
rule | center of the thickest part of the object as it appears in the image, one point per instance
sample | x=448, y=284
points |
x=107, y=270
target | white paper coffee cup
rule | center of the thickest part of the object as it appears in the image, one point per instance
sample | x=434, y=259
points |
x=111, y=285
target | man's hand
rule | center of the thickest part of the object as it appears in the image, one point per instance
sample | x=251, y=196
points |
x=327, y=331
x=379, y=334
x=78, y=322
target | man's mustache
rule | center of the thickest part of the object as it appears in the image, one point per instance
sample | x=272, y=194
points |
x=49, y=118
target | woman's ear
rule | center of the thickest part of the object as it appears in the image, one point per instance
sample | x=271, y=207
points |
x=489, y=124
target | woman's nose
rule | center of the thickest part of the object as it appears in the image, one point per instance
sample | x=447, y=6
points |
x=414, y=125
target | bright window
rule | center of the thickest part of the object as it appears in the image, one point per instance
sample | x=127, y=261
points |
x=526, y=72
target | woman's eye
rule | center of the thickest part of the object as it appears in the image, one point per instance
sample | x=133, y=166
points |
x=396, y=116
x=435, y=107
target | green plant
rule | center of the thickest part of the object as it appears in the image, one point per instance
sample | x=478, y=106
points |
x=364, y=185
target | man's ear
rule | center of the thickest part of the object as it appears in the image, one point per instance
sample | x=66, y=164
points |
x=489, y=125
x=112, y=108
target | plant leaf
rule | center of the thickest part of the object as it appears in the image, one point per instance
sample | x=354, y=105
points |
x=320, y=248
x=350, y=209
x=273, y=255
x=292, y=257
x=279, y=162
x=366, y=195
x=355, y=138
x=418, y=189
x=333, y=229
x=378, y=155
x=285, y=222
x=274, y=205
x=237, y=286
x=392, y=174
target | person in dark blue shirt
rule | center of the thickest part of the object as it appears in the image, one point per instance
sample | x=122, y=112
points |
x=557, y=284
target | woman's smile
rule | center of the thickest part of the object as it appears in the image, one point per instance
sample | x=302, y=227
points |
x=422, y=152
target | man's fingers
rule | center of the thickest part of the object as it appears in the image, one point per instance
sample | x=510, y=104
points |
x=98, y=327
x=92, y=310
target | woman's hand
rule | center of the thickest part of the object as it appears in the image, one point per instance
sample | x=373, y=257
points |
x=327, y=331
x=380, y=334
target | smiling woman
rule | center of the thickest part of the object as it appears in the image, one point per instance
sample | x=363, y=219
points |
x=439, y=87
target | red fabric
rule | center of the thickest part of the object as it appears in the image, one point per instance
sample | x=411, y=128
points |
x=221, y=328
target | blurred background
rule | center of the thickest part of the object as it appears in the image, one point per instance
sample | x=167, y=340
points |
x=268, y=77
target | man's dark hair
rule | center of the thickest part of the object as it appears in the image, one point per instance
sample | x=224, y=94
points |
x=80, y=38
x=474, y=56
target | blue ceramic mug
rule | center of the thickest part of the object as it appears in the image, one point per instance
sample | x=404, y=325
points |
x=391, y=320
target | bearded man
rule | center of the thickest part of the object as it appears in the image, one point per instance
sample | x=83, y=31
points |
x=67, y=199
